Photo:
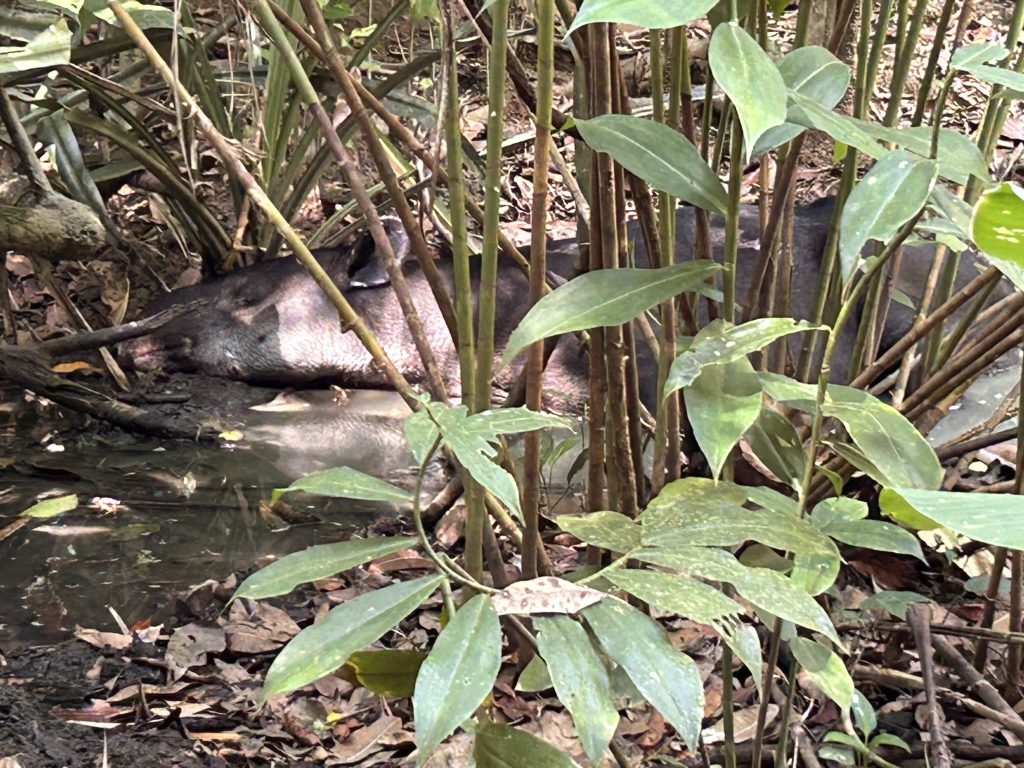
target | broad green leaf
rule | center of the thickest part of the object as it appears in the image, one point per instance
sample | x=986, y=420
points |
x=894, y=602
x=719, y=342
x=844, y=519
x=993, y=518
x=457, y=675
x=695, y=512
x=825, y=669
x=879, y=431
x=749, y=79
x=763, y=588
x=580, y=679
x=510, y=421
x=641, y=13
x=605, y=529
x=502, y=746
x=346, y=483
x=842, y=128
x=889, y=740
x=863, y=714
x=420, y=434
x=50, y=48
x=384, y=671
x=665, y=677
x=605, y=297
x=815, y=73
x=475, y=452
x=998, y=76
x=144, y=15
x=316, y=562
x=722, y=402
x=746, y=646
x=888, y=196
x=349, y=627
x=977, y=53
x=674, y=593
x=774, y=441
x=659, y=155
x=535, y=677
x=815, y=573
x=997, y=226
x=48, y=508
x=958, y=157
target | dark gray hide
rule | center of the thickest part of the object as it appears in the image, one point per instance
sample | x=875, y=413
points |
x=271, y=324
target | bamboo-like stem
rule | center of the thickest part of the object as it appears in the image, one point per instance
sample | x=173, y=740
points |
x=476, y=513
x=487, y=292
x=538, y=254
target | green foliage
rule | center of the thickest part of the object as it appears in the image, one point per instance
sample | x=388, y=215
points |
x=458, y=674
x=316, y=562
x=346, y=483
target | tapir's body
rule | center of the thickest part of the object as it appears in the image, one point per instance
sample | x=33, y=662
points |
x=270, y=323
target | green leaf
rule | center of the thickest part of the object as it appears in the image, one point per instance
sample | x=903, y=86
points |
x=742, y=639
x=420, y=434
x=316, y=562
x=605, y=297
x=385, y=671
x=894, y=602
x=641, y=13
x=749, y=79
x=774, y=440
x=888, y=196
x=844, y=519
x=145, y=16
x=977, y=53
x=473, y=447
x=718, y=342
x=993, y=518
x=815, y=73
x=825, y=669
x=665, y=677
x=580, y=679
x=722, y=403
x=842, y=128
x=998, y=76
x=863, y=713
x=608, y=530
x=674, y=593
x=502, y=746
x=349, y=627
x=47, y=508
x=457, y=675
x=958, y=157
x=346, y=483
x=50, y=48
x=763, y=588
x=997, y=226
x=884, y=436
x=510, y=421
x=659, y=155
x=815, y=573
x=535, y=677
x=695, y=512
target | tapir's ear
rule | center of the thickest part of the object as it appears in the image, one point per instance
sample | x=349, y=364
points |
x=368, y=268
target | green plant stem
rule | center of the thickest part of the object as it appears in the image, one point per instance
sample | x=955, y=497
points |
x=787, y=708
x=538, y=251
x=496, y=76
x=476, y=513
x=728, y=712
x=774, y=644
x=732, y=217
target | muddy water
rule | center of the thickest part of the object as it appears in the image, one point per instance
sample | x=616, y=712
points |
x=155, y=517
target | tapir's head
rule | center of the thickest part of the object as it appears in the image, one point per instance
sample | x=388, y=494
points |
x=267, y=323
